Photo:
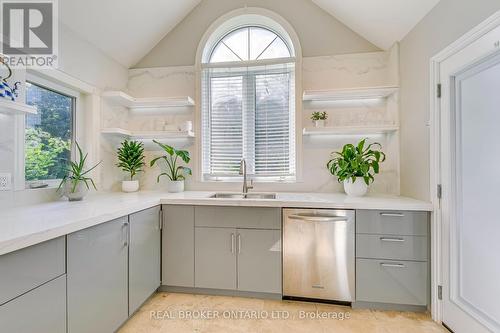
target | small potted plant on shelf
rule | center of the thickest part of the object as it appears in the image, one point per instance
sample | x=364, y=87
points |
x=131, y=160
x=75, y=183
x=319, y=118
x=355, y=166
x=176, y=174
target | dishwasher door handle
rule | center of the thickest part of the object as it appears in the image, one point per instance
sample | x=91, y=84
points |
x=316, y=218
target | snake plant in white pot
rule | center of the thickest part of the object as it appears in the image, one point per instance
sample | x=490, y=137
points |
x=131, y=160
x=176, y=173
x=356, y=166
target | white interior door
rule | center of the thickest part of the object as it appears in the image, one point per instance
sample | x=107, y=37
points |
x=470, y=174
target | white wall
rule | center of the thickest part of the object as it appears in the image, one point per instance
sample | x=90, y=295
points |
x=449, y=20
x=319, y=32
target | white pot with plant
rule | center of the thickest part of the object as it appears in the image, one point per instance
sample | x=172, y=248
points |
x=319, y=118
x=356, y=166
x=75, y=184
x=176, y=173
x=131, y=160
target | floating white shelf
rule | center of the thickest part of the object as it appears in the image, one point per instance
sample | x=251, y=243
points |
x=9, y=107
x=123, y=99
x=350, y=130
x=140, y=135
x=349, y=94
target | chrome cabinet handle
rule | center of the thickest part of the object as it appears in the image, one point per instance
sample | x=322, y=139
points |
x=392, y=239
x=392, y=214
x=232, y=242
x=384, y=264
x=127, y=233
x=239, y=243
x=312, y=218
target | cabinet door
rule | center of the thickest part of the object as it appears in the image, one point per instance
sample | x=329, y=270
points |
x=178, y=246
x=259, y=260
x=97, y=277
x=215, y=258
x=144, y=256
x=41, y=310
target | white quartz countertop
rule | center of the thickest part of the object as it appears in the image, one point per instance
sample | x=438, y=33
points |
x=24, y=226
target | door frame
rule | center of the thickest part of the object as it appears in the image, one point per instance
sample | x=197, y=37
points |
x=435, y=143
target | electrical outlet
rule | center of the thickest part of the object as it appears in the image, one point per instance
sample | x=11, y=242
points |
x=5, y=181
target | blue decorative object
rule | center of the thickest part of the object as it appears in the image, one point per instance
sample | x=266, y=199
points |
x=7, y=91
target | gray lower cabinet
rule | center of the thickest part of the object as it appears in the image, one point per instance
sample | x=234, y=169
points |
x=389, y=281
x=392, y=258
x=97, y=283
x=178, y=246
x=28, y=268
x=215, y=258
x=41, y=310
x=144, y=256
x=259, y=260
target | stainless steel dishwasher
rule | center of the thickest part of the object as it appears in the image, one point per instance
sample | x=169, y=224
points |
x=318, y=254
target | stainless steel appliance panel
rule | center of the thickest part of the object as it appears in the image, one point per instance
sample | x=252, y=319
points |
x=318, y=254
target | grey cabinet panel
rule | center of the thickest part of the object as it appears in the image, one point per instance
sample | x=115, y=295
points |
x=392, y=222
x=392, y=247
x=29, y=268
x=238, y=217
x=97, y=290
x=144, y=256
x=388, y=281
x=42, y=310
x=259, y=260
x=178, y=246
x=215, y=258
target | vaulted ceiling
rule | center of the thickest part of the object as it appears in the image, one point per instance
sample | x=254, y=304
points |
x=126, y=30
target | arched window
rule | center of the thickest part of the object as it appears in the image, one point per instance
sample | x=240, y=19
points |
x=248, y=105
x=249, y=43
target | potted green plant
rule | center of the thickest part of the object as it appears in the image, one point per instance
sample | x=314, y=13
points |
x=75, y=183
x=131, y=160
x=176, y=174
x=355, y=166
x=319, y=118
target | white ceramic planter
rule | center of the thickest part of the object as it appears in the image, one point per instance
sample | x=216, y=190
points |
x=356, y=189
x=175, y=186
x=319, y=123
x=78, y=194
x=130, y=186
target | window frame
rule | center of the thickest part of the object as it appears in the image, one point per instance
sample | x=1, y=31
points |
x=76, y=121
x=247, y=64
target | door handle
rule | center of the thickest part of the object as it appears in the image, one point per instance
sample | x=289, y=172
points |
x=384, y=264
x=232, y=242
x=239, y=243
x=392, y=239
x=312, y=218
x=392, y=214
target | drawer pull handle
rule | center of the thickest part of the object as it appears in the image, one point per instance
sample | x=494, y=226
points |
x=391, y=239
x=383, y=264
x=392, y=214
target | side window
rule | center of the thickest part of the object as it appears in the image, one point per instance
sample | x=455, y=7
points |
x=49, y=134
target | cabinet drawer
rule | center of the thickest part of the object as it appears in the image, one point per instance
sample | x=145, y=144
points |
x=31, y=267
x=392, y=222
x=392, y=247
x=42, y=310
x=389, y=281
x=238, y=217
